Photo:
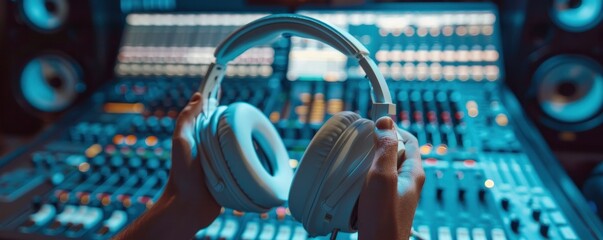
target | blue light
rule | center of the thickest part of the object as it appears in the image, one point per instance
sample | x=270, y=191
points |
x=38, y=92
x=581, y=18
x=583, y=105
x=580, y=110
x=36, y=13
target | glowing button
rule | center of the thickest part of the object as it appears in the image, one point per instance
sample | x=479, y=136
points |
x=149, y=204
x=469, y=163
x=106, y=200
x=238, y=213
x=84, y=167
x=126, y=201
x=93, y=150
x=502, y=120
x=425, y=149
x=85, y=199
x=293, y=163
x=431, y=161
x=131, y=140
x=489, y=183
x=118, y=139
x=64, y=197
x=442, y=149
x=275, y=116
x=151, y=141
x=280, y=213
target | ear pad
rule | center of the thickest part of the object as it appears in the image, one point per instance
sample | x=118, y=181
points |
x=246, y=154
x=328, y=181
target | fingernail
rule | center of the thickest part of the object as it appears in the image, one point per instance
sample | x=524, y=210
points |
x=385, y=123
x=196, y=97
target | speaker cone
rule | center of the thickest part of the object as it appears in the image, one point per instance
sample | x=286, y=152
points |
x=50, y=83
x=570, y=90
x=577, y=15
x=45, y=15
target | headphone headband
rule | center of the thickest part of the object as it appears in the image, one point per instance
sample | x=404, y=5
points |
x=267, y=28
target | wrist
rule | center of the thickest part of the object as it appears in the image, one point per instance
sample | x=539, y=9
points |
x=188, y=212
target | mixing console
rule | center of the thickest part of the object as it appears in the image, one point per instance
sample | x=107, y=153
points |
x=106, y=162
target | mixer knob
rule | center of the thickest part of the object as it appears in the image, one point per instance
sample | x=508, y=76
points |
x=505, y=203
x=536, y=213
x=515, y=223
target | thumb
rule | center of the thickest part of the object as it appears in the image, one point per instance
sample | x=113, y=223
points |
x=386, y=143
x=187, y=117
x=378, y=197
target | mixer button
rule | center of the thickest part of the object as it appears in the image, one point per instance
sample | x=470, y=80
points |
x=498, y=234
x=444, y=233
x=213, y=229
x=268, y=231
x=43, y=215
x=251, y=230
x=478, y=234
x=230, y=229
x=568, y=233
x=300, y=233
x=424, y=232
x=462, y=234
x=558, y=218
x=284, y=233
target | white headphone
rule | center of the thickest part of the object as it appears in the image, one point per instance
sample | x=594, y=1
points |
x=324, y=191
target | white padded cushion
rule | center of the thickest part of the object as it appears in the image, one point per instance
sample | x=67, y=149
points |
x=216, y=170
x=313, y=159
x=239, y=124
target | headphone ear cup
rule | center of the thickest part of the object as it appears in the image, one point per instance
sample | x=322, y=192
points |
x=326, y=163
x=255, y=168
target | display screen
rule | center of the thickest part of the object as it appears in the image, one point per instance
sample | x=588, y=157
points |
x=183, y=45
x=409, y=45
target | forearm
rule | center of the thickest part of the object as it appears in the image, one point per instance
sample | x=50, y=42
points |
x=167, y=219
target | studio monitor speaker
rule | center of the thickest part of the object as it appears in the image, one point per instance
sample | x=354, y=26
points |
x=50, y=60
x=554, y=54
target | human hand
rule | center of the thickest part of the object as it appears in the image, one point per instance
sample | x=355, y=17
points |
x=186, y=204
x=186, y=183
x=391, y=193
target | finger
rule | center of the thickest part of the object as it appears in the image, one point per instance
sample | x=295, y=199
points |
x=186, y=118
x=407, y=137
x=411, y=169
x=386, y=143
x=411, y=145
x=377, y=199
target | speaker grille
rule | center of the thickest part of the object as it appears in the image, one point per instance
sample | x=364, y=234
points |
x=570, y=89
x=50, y=82
x=45, y=15
x=577, y=15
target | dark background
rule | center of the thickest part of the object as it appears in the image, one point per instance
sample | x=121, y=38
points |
x=92, y=32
